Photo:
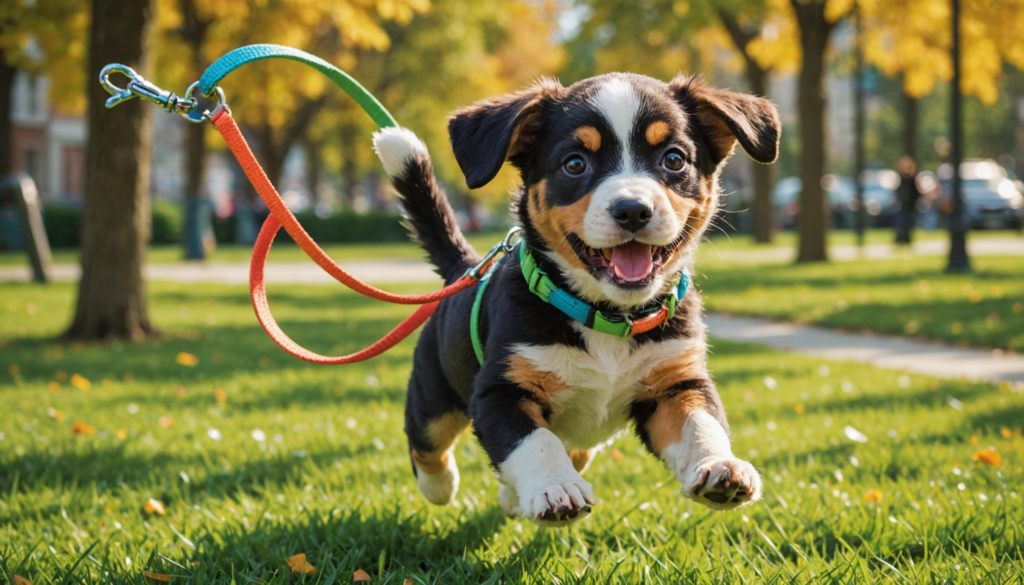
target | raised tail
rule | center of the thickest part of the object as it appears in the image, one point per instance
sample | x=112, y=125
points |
x=429, y=216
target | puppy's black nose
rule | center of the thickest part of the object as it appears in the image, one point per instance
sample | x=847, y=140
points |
x=631, y=214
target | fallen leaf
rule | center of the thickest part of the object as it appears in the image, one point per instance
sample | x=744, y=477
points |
x=81, y=382
x=157, y=576
x=298, y=564
x=53, y=387
x=80, y=428
x=61, y=376
x=974, y=440
x=616, y=454
x=187, y=359
x=873, y=496
x=21, y=581
x=179, y=391
x=222, y=396
x=154, y=506
x=13, y=370
x=1006, y=433
x=166, y=422
x=407, y=582
x=121, y=433
x=360, y=575
x=55, y=414
x=989, y=457
x=799, y=408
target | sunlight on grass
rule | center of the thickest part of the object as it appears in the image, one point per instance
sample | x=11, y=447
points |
x=870, y=475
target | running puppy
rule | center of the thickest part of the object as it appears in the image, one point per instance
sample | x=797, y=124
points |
x=590, y=324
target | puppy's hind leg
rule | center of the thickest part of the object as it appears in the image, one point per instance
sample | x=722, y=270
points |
x=434, y=419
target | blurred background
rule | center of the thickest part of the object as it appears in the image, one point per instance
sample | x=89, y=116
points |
x=881, y=101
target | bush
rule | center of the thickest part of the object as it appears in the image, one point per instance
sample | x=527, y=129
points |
x=168, y=222
x=348, y=226
x=63, y=224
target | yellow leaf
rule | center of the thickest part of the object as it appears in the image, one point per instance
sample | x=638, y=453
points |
x=121, y=434
x=407, y=582
x=873, y=495
x=360, y=575
x=616, y=454
x=187, y=359
x=800, y=408
x=61, y=376
x=1006, y=433
x=55, y=414
x=166, y=422
x=80, y=428
x=54, y=387
x=989, y=457
x=21, y=581
x=974, y=440
x=157, y=576
x=81, y=382
x=153, y=506
x=298, y=564
x=222, y=396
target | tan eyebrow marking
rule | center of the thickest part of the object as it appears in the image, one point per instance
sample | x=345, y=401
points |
x=656, y=133
x=589, y=136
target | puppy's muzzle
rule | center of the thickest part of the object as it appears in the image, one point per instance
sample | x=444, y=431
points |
x=632, y=215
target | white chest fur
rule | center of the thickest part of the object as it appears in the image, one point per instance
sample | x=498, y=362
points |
x=602, y=381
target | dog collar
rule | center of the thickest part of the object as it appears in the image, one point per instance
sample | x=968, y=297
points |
x=622, y=325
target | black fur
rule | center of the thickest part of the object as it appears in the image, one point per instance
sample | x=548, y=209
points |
x=432, y=221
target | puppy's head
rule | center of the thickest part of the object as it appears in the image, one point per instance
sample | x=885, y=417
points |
x=620, y=172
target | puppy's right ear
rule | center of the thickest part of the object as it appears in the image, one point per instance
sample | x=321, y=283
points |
x=485, y=134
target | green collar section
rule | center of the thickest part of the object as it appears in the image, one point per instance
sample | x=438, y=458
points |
x=617, y=324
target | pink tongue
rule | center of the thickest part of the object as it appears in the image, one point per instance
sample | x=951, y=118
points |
x=632, y=261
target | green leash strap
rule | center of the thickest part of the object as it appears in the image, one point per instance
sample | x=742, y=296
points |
x=474, y=316
x=248, y=54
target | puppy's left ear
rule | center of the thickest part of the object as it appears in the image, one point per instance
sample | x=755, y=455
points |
x=728, y=116
x=487, y=133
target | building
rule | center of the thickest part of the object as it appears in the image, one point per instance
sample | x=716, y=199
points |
x=47, y=144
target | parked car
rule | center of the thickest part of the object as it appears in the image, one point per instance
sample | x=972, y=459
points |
x=879, y=199
x=991, y=199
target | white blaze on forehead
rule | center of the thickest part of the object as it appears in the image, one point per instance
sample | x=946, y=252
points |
x=620, y=104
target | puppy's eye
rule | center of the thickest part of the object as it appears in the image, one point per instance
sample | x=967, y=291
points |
x=673, y=160
x=575, y=166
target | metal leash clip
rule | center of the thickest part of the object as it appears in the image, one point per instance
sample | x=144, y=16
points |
x=506, y=245
x=187, y=107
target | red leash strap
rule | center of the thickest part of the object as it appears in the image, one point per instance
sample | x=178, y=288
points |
x=279, y=217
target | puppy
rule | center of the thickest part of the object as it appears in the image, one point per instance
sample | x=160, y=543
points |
x=619, y=182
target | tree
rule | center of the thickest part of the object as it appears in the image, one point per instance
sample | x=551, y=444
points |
x=757, y=78
x=40, y=36
x=115, y=221
x=193, y=31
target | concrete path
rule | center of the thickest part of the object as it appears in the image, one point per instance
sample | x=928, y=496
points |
x=884, y=351
x=392, y=270
x=976, y=247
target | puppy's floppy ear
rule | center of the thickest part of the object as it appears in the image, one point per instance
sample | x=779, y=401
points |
x=485, y=134
x=728, y=116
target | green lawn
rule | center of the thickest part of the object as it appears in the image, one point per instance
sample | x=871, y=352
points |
x=312, y=459
x=912, y=296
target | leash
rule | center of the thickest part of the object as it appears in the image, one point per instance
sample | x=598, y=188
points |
x=280, y=216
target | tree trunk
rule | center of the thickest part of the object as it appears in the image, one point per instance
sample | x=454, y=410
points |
x=910, y=126
x=813, y=220
x=193, y=30
x=195, y=145
x=757, y=78
x=314, y=169
x=116, y=217
x=6, y=114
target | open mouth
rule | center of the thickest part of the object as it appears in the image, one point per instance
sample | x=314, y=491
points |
x=630, y=265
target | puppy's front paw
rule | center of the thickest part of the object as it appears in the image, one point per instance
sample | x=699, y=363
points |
x=556, y=502
x=722, y=483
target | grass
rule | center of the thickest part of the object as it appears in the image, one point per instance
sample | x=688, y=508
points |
x=328, y=473
x=482, y=242
x=907, y=296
